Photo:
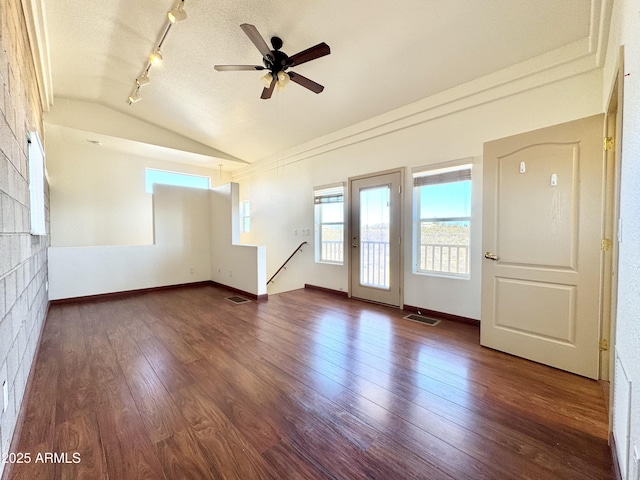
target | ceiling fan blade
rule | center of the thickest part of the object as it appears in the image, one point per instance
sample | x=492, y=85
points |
x=234, y=68
x=309, y=54
x=305, y=82
x=256, y=38
x=268, y=91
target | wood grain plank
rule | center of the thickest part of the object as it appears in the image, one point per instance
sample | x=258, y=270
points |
x=180, y=383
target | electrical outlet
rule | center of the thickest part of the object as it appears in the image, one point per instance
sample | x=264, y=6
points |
x=5, y=396
x=192, y=270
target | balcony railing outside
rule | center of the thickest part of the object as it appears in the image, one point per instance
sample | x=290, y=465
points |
x=332, y=251
x=374, y=259
x=374, y=264
x=443, y=258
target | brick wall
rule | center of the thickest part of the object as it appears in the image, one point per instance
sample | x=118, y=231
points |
x=23, y=258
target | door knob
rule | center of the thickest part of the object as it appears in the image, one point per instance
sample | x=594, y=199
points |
x=490, y=256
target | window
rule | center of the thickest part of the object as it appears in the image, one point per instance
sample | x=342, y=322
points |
x=329, y=221
x=245, y=216
x=175, y=178
x=442, y=208
x=36, y=185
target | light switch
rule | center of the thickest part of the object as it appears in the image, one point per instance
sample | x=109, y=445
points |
x=554, y=179
x=523, y=167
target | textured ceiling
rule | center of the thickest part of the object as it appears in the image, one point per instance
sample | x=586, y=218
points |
x=383, y=55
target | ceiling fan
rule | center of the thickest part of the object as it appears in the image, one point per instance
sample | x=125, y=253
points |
x=277, y=62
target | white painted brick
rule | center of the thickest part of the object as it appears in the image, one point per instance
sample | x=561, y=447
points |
x=10, y=290
x=7, y=214
x=13, y=363
x=4, y=172
x=6, y=336
x=5, y=254
x=22, y=338
x=3, y=306
x=15, y=250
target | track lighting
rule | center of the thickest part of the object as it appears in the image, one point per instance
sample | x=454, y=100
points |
x=177, y=14
x=156, y=57
x=143, y=80
x=173, y=16
x=135, y=97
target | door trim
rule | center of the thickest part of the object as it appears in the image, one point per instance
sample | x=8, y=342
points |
x=350, y=181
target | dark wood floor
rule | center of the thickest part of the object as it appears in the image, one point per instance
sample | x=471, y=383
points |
x=183, y=384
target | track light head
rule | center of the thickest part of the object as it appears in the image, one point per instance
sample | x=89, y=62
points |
x=177, y=14
x=143, y=80
x=156, y=57
x=134, y=97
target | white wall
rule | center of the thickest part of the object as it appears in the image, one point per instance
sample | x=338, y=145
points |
x=196, y=233
x=624, y=31
x=98, y=194
x=281, y=190
x=242, y=267
x=181, y=254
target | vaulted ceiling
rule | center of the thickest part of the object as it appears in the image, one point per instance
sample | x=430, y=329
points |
x=384, y=55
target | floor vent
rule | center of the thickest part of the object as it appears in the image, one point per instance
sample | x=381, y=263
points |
x=237, y=300
x=432, y=322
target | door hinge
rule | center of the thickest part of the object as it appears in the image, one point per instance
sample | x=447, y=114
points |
x=605, y=245
x=604, y=345
x=608, y=143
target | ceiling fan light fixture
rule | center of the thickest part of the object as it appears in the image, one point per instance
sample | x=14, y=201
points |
x=156, y=57
x=177, y=14
x=267, y=79
x=283, y=78
x=143, y=80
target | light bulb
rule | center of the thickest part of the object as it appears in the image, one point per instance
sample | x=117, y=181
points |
x=283, y=78
x=267, y=79
x=156, y=57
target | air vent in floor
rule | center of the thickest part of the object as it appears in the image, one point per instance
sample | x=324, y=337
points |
x=237, y=300
x=432, y=322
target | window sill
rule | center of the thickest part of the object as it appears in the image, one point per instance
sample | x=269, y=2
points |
x=325, y=262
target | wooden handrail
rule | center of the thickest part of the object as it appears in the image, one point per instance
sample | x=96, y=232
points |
x=286, y=261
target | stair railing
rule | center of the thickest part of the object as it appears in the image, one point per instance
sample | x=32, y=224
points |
x=286, y=261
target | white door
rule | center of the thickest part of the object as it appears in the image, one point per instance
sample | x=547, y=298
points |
x=542, y=231
x=374, y=238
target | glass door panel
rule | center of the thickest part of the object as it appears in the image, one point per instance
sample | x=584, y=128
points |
x=374, y=236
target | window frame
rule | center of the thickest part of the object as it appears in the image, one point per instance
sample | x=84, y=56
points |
x=440, y=174
x=245, y=216
x=328, y=193
x=37, y=207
